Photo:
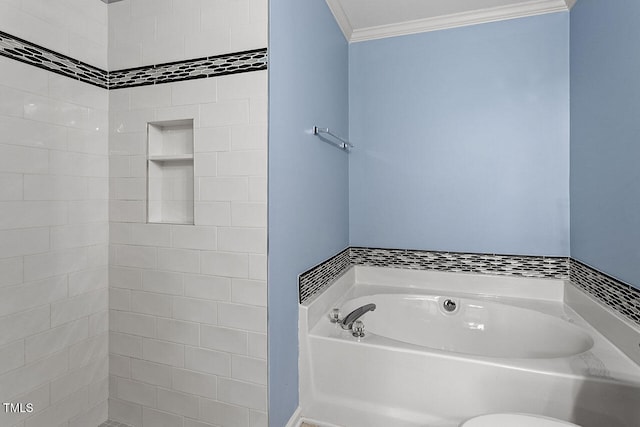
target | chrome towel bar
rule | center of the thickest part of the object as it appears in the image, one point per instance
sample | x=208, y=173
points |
x=340, y=143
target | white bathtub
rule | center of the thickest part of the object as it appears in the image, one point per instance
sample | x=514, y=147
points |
x=511, y=345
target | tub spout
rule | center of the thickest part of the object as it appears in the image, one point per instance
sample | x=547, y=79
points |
x=347, y=322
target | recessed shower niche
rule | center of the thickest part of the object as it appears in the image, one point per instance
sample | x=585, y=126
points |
x=170, y=172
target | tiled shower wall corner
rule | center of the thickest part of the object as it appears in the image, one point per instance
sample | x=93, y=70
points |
x=54, y=221
x=188, y=302
x=619, y=296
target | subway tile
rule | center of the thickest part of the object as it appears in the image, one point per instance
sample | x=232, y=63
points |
x=249, y=214
x=54, y=263
x=224, y=189
x=12, y=186
x=125, y=345
x=119, y=299
x=12, y=102
x=98, y=323
x=195, y=310
x=25, y=214
x=26, y=241
x=179, y=332
x=136, y=392
x=14, y=299
x=249, y=369
x=180, y=112
x=154, y=418
x=182, y=260
x=224, y=339
x=47, y=187
x=150, y=96
x=163, y=282
x=120, y=365
x=127, y=211
x=207, y=287
x=212, y=139
x=243, y=85
x=75, y=235
x=257, y=189
x=99, y=392
x=258, y=345
x=89, y=350
x=78, y=378
x=93, y=416
x=123, y=146
x=125, y=412
x=136, y=256
x=208, y=361
x=257, y=267
x=252, y=137
x=11, y=271
x=178, y=403
x=24, y=379
x=40, y=398
x=151, y=234
x=213, y=213
x=88, y=211
x=56, y=339
x=12, y=356
x=194, y=423
x=120, y=233
x=251, y=292
x=132, y=323
x=241, y=393
x=225, y=264
x=129, y=188
x=27, y=133
x=259, y=110
x=164, y=352
x=196, y=383
x=194, y=92
x=151, y=373
x=70, y=90
x=242, y=163
x=24, y=324
x=62, y=411
x=88, y=280
x=91, y=141
x=206, y=164
x=23, y=76
x=224, y=414
x=193, y=237
x=258, y=419
x=122, y=277
x=79, y=306
x=151, y=303
x=242, y=239
x=225, y=113
x=242, y=317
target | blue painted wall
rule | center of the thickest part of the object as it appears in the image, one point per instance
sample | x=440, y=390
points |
x=463, y=139
x=308, y=179
x=605, y=136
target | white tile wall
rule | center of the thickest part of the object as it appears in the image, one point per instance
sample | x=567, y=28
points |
x=188, y=302
x=53, y=220
x=143, y=32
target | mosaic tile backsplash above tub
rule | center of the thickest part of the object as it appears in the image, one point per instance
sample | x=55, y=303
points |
x=617, y=295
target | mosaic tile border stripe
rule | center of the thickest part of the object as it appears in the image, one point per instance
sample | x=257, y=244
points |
x=318, y=278
x=210, y=66
x=621, y=297
x=38, y=56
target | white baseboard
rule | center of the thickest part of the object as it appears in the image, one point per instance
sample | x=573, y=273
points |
x=295, y=419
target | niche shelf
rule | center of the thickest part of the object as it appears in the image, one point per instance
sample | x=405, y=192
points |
x=170, y=172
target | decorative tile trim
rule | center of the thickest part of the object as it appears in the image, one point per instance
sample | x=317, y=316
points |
x=621, y=297
x=320, y=277
x=38, y=56
x=504, y=265
x=210, y=66
x=316, y=279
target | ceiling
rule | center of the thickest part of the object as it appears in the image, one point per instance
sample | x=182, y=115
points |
x=373, y=19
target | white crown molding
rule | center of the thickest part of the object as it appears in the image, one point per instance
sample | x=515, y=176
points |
x=501, y=13
x=341, y=18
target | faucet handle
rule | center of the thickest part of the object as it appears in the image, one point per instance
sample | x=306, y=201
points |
x=358, y=329
x=334, y=315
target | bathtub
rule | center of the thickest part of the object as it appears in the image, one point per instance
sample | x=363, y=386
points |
x=509, y=345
